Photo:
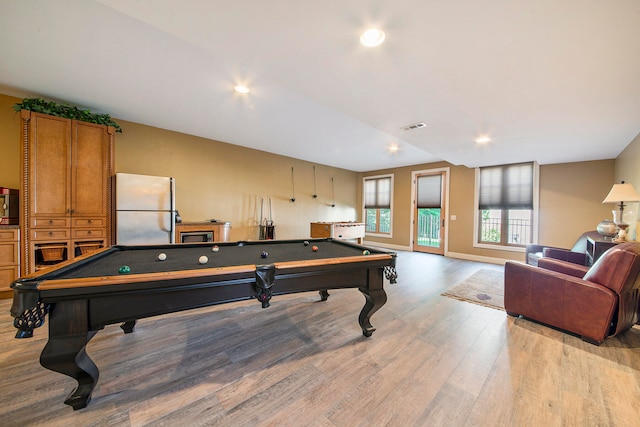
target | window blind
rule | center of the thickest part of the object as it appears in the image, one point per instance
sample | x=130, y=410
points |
x=377, y=193
x=506, y=187
x=429, y=191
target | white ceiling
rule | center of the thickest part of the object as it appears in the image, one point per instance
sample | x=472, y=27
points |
x=548, y=80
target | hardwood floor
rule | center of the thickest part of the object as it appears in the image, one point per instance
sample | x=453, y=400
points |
x=433, y=361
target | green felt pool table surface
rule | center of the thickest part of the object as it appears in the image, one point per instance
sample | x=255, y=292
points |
x=142, y=259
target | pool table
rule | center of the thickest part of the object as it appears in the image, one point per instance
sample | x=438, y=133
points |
x=84, y=295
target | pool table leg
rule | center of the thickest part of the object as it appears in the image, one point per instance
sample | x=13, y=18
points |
x=65, y=351
x=375, y=297
x=128, y=326
x=324, y=295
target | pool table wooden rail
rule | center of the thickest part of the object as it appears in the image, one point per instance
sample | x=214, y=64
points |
x=185, y=274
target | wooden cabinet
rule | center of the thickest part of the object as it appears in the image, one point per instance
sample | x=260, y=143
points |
x=192, y=232
x=66, y=189
x=9, y=256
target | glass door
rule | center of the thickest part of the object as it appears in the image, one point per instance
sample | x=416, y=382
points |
x=429, y=214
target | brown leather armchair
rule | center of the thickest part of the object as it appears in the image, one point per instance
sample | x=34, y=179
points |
x=593, y=303
x=577, y=254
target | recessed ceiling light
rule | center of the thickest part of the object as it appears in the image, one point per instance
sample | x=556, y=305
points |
x=393, y=148
x=372, y=37
x=483, y=139
x=241, y=89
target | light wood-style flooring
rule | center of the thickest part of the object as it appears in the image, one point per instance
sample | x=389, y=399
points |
x=433, y=361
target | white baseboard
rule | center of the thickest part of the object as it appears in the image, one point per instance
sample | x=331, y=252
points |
x=457, y=255
x=388, y=246
x=469, y=257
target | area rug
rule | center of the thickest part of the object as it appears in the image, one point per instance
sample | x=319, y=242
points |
x=484, y=287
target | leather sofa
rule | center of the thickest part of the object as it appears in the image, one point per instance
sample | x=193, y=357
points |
x=577, y=254
x=593, y=303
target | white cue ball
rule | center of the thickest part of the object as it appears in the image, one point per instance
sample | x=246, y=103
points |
x=162, y=256
x=203, y=259
x=215, y=249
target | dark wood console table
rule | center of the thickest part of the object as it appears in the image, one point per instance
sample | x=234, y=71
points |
x=596, y=247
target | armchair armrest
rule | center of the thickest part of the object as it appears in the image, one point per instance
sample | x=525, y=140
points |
x=565, y=255
x=531, y=247
x=533, y=253
x=559, y=300
x=566, y=267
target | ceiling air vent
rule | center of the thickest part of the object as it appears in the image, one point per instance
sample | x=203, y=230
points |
x=414, y=126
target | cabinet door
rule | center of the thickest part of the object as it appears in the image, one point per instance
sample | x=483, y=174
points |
x=49, y=166
x=89, y=173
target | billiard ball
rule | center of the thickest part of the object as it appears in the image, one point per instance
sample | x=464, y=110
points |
x=124, y=269
x=314, y=248
x=203, y=259
x=366, y=252
x=162, y=256
x=215, y=248
x=264, y=254
x=306, y=243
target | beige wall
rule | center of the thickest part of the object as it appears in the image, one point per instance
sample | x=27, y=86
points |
x=223, y=181
x=215, y=180
x=628, y=170
x=571, y=197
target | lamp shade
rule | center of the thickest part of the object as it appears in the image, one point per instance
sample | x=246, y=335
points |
x=622, y=193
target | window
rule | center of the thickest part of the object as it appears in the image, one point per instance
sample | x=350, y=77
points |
x=506, y=196
x=377, y=204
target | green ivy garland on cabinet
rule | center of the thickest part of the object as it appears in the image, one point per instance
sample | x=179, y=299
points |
x=39, y=105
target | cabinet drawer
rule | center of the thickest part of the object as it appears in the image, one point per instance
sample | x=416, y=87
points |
x=9, y=253
x=50, y=234
x=88, y=222
x=7, y=276
x=50, y=222
x=89, y=233
x=9, y=235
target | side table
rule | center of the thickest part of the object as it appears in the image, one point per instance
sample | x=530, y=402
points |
x=596, y=247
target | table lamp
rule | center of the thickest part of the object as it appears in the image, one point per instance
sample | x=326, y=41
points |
x=621, y=193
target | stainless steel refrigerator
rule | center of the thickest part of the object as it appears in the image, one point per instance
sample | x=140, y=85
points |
x=145, y=209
